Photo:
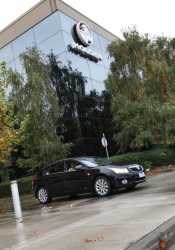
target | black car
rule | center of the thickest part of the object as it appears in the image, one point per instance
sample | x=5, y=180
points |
x=83, y=175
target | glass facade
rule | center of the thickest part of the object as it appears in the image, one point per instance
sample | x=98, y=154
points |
x=54, y=34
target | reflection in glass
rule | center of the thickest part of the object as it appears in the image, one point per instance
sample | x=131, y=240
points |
x=23, y=42
x=79, y=83
x=6, y=53
x=12, y=65
x=85, y=114
x=98, y=72
x=62, y=59
x=106, y=60
x=96, y=40
x=53, y=44
x=69, y=85
x=104, y=43
x=47, y=27
x=67, y=39
x=20, y=68
x=88, y=86
x=67, y=22
x=79, y=63
x=99, y=87
x=95, y=118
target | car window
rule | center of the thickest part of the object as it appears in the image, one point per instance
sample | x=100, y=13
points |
x=56, y=168
x=72, y=165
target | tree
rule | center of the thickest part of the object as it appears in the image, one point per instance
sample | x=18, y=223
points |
x=95, y=119
x=84, y=117
x=38, y=111
x=142, y=86
x=69, y=85
x=8, y=134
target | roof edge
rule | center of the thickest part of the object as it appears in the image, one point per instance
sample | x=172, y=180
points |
x=39, y=12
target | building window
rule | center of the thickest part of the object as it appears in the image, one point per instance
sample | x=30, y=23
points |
x=23, y=42
x=47, y=27
x=67, y=22
x=98, y=72
x=53, y=44
x=6, y=53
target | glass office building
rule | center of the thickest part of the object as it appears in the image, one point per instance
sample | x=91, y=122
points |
x=54, y=27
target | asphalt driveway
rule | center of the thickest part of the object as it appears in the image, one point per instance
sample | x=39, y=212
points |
x=91, y=223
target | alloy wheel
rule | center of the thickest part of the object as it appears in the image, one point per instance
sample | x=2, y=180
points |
x=43, y=195
x=102, y=186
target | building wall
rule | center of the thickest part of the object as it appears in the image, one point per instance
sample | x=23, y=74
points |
x=51, y=31
x=54, y=33
x=39, y=12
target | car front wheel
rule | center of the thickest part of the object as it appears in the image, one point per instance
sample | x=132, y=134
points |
x=102, y=186
x=43, y=195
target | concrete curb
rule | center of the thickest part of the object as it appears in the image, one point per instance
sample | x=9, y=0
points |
x=151, y=240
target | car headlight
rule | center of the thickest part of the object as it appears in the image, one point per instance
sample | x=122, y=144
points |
x=142, y=168
x=120, y=170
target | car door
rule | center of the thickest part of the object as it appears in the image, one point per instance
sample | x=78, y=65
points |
x=77, y=178
x=55, y=177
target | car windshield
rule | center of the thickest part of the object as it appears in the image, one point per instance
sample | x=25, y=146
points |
x=89, y=163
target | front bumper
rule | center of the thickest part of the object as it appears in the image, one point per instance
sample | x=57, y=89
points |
x=127, y=180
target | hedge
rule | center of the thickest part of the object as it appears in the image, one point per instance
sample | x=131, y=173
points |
x=24, y=185
x=157, y=156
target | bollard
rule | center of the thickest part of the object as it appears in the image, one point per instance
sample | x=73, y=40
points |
x=16, y=201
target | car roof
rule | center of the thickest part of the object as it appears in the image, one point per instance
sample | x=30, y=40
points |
x=87, y=158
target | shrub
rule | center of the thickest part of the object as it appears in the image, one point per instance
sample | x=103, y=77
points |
x=24, y=185
x=157, y=156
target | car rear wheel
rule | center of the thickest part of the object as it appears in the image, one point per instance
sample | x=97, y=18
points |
x=43, y=195
x=102, y=186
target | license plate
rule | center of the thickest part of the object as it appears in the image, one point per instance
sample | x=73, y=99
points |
x=141, y=174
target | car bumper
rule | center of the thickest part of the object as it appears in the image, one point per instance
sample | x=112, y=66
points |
x=126, y=181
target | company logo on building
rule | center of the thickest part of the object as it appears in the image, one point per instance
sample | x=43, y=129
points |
x=84, y=34
x=84, y=39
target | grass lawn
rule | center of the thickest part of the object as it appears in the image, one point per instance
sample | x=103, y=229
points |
x=27, y=202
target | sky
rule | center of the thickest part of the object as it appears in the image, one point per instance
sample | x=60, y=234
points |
x=155, y=17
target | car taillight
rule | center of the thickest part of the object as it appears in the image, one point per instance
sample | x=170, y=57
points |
x=34, y=180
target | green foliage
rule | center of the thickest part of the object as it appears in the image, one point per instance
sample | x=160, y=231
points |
x=70, y=86
x=24, y=185
x=8, y=134
x=37, y=109
x=142, y=85
x=149, y=158
x=84, y=116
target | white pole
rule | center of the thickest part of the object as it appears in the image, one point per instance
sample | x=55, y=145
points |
x=107, y=153
x=105, y=145
x=16, y=201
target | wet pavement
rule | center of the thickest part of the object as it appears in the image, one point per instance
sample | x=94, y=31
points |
x=89, y=223
x=172, y=247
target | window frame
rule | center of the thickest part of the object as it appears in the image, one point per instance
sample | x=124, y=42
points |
x=54, y=165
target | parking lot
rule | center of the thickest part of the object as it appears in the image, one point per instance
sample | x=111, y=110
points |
x=88, y=223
